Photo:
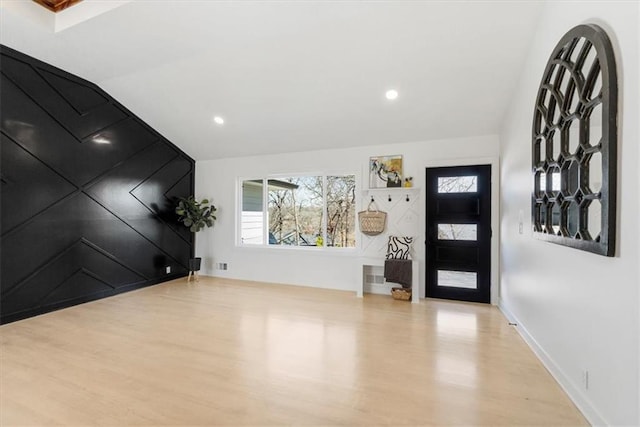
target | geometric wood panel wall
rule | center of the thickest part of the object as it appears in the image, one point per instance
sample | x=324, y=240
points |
x=87, y=193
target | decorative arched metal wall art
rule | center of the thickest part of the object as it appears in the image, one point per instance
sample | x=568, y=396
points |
x=574, y=140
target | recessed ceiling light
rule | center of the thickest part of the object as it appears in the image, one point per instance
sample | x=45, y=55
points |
x=98, y=139
x=391, y=94
x=218, y=120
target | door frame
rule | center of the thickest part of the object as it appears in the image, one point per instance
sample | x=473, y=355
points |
x=495, y=218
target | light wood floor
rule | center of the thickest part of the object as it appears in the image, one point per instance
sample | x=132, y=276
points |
x=223, y=352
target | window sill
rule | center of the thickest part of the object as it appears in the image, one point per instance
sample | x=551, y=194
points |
x=325, y=251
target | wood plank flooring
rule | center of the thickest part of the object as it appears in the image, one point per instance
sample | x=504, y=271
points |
x=223, y=352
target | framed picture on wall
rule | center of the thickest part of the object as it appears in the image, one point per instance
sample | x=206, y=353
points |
x=385, y=171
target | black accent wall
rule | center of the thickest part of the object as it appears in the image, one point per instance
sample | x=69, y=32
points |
x=87, y=193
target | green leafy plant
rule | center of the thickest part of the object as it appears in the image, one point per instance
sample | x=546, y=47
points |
x=194, y=214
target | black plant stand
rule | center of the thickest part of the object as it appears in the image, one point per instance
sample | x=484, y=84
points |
x=194, y=267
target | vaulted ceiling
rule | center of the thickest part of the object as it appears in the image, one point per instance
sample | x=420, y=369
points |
x=292, y=75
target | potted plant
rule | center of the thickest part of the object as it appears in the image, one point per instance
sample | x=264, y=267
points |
x=196, y=215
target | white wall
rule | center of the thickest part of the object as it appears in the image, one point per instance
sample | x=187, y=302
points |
x=578, y=310
x=638, y=97
x=217, y=180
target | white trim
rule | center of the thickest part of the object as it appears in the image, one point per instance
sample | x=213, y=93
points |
x=576, y=395
x=330, y=251
x=325, y=211
x=265, y=211
x=495, y=212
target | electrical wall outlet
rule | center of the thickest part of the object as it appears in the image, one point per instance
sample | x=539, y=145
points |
x=168, y=269
x=221, y=266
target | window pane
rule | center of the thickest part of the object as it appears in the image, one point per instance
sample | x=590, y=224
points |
x=457, y=232
x=555, y=217
x=295, y=211
x=252, y=224
x=316, y=211
x=555, y=181
x=458, y=279
x=457, y=184
x=341, y=211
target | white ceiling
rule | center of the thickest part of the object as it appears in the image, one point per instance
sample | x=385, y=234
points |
x=294, y=75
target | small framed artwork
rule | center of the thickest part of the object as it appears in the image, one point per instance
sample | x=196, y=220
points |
x=385, y=171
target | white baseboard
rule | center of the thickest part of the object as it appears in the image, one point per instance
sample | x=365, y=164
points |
x=576, y=395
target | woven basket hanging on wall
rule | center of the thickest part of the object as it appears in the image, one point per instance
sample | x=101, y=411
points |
x=372, y=221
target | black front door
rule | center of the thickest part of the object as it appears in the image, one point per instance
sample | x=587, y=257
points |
x=459, y=233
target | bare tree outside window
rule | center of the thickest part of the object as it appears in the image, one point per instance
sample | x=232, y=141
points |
x=457, y=232
x=293, y=208
x=341, y=211
x=457, y=184
x=297, y=215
